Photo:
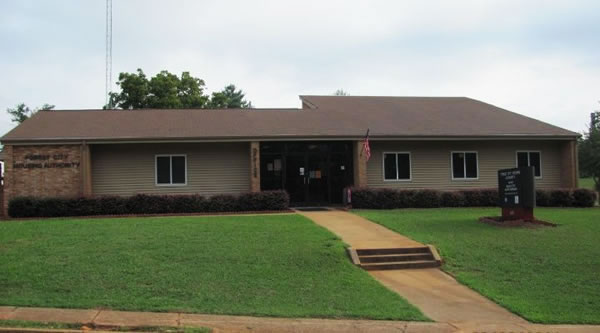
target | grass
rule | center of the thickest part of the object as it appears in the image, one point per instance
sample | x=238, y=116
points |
x=546, y=275
x=72, y=326
x=587, y=183
x=264, y=265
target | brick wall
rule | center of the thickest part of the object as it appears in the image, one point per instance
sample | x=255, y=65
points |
x=360, y=164
x=255, y=166
x=42, y=171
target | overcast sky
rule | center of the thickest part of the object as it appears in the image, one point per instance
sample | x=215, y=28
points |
x=538, y=58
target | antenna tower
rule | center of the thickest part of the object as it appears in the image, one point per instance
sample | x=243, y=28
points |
x=108, y=78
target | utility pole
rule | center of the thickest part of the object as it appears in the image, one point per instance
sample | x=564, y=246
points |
x=108, y=78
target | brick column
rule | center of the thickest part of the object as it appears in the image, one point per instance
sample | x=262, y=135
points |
x=254, y=166
x=569, y=173
x=360, y=164
x=86, y=170
x=8, y=179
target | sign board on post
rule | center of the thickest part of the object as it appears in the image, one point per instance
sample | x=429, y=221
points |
x=516, y=189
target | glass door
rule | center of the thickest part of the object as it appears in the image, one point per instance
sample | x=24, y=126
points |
x=295, y=177
x=317, y=178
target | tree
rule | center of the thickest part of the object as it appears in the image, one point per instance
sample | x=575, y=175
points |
x=21, y=112
x=168, y=91
x=134, y=91
x=229, y=98
x=191, y=91
x=340, y=92
x=589, y=150
x=164, y=91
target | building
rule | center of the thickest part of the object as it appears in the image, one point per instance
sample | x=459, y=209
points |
x=312, y=152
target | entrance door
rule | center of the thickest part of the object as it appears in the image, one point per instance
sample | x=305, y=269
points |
x=295, y=177
x=317, y=179
x=313, y=173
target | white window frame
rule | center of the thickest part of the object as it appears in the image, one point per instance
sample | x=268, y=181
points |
x=397, y=169
x=170, y=156
x=529, y=160
x=464, y=165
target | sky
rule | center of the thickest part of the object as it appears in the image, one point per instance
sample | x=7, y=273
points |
x=537, y=58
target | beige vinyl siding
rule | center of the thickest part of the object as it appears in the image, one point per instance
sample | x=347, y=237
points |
x=212, y=168
x=431, y=162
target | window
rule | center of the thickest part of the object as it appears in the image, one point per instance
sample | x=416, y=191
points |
x=171, y=170
x=396, y=166
x=530, y=158
x=464, y=165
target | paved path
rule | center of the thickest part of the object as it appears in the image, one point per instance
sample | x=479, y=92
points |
x=438, y=295
x=359, y=232
x=105, y=319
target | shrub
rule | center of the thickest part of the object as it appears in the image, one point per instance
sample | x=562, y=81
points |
x=489, y=197
x=584, y=198
x=23, y=207
x=452, y=199
x=404, y=199
x=561, y=198
x=542, y=198
x=427, y=199
x=363, y=198
x=222, y=203
x=392, y=198
x=271, y=200
x=146, y=204
x=480, y=197
x=187, y=203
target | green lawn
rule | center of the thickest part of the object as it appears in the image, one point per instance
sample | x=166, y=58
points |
x=547, y=275
x=587, y=183
x=265, y=265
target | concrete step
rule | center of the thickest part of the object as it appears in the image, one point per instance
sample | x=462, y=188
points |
x=400, y=265
x=405, y=250
x=396, y=257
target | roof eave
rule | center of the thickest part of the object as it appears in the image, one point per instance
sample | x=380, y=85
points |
x=92, y=140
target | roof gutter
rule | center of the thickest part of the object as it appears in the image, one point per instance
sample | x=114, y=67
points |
x=124, y=140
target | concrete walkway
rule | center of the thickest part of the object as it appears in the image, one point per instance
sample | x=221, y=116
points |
x=105, y=319
x=438, y=295
x=359, y=232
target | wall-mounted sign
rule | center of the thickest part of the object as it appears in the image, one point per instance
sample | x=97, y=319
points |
x=255, y=162
x=46, y=161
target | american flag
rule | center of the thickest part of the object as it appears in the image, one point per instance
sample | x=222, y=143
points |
x=366, y=147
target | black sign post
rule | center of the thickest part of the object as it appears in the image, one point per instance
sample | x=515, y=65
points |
x=516, y=188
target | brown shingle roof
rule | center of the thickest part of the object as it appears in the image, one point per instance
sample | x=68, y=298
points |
x=331, y=116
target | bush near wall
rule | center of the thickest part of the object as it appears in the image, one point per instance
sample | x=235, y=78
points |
x=386, y=198
x=147, y=204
